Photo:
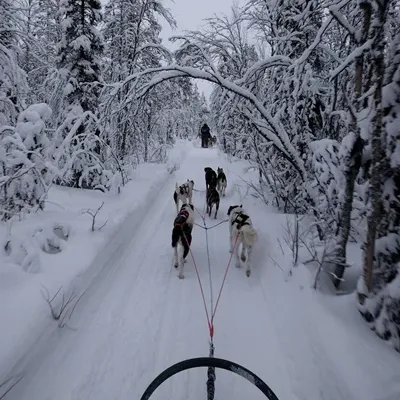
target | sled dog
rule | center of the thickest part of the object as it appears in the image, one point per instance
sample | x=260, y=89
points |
x=242, y=232
x=212, y=197
x=211, y=178
x=221, y=182
x=183, y=193
x=182, y=235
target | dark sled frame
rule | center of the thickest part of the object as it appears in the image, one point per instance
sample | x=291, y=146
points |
x=209, y=362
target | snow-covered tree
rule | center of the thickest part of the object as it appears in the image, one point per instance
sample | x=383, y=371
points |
x=40, y=33
x=79, y=53
x=227, y=42
x=133, y=43
x=13, y=87
x=353, y=143
x=379, y=286
x=25, y=174
x=79, y=63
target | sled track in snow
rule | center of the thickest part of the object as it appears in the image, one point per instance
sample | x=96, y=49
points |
x=91, y=283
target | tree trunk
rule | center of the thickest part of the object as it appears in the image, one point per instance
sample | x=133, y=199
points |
x=146, y=138
x=377, y=172
x=354, y=160
x=347, y=207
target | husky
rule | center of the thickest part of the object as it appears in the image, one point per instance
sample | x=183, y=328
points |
x=221, y=182
x=182, y=235
x=212, y=197
x=184, y=193
x=241, y=231
x=211, y=178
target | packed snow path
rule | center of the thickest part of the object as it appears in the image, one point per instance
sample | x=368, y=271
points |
x=137, y=318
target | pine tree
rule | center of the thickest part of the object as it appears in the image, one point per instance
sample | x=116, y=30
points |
x=79, y=63
x=13, y=86
x=79, y=53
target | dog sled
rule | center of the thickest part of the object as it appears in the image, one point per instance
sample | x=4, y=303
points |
x=211, y=363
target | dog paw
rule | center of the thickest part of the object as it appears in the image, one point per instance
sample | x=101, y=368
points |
x=248, y=273
x=181, y=276
x=237, y=265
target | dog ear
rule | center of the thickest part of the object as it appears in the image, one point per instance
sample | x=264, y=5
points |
x=229, y=210
x=241, y=206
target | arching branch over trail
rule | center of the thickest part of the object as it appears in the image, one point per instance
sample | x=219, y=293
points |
x=198, y=65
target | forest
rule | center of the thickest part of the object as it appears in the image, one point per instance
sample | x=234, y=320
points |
x=308, y=91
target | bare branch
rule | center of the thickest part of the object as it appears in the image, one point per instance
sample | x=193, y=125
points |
x=93, y=214
x=60, y=313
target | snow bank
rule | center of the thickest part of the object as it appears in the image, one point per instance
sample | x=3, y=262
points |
x=328, y=350
x=177, y=154
x=57, y=250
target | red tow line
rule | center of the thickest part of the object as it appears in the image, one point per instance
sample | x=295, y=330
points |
x=210, y=321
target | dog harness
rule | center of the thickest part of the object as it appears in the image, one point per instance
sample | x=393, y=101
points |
x=181, y=218
x=240, y=220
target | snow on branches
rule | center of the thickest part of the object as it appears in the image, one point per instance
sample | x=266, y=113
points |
x=25, y=174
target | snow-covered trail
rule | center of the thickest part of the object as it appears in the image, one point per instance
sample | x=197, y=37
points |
x=137, y=317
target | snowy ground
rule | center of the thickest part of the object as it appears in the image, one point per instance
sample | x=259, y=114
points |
x=137, y=318
x=27, y=272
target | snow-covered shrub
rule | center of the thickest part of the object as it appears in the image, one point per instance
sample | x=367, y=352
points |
x=382, y=310
x=25, y=250
x=77, y=152
x=51, y=238
x=24, y=253
x=63, y=230
x=325, y=179
x=25, y=174
x=116, y=182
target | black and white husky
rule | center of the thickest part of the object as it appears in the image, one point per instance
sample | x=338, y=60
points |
x=241, y=232
x=182, y=235
x=221, y=181
x=183, y=193
x=212, y=197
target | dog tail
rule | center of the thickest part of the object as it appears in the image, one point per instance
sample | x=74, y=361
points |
x=176, y=234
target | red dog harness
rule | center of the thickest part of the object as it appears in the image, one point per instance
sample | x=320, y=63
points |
x=181, y=218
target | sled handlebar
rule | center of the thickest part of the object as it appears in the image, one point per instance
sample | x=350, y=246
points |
x=209, y=362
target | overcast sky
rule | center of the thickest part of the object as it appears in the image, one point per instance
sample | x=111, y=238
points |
x=189, y=15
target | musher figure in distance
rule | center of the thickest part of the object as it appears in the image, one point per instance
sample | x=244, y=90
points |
x=205, y=135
